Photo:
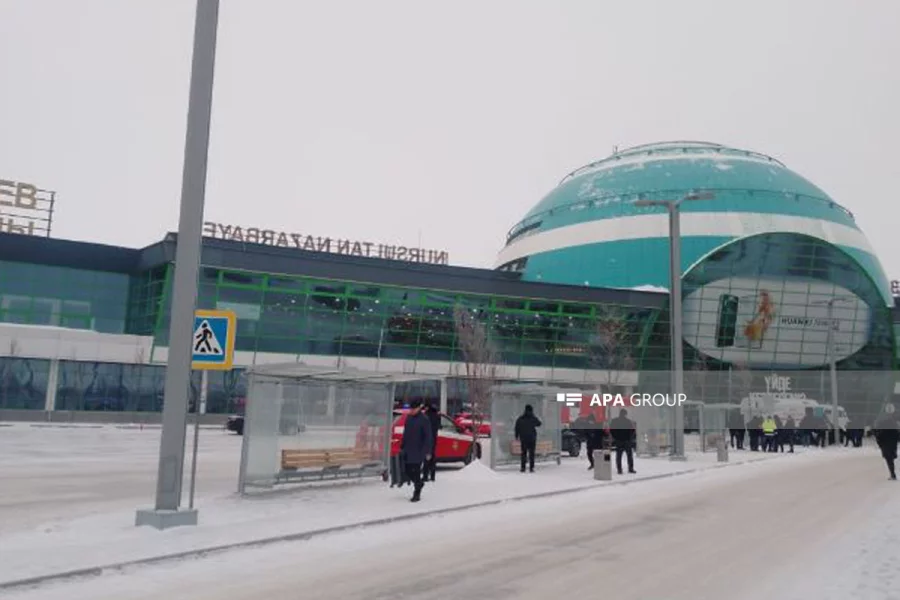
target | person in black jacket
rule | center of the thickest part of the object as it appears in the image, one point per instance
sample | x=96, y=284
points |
x=434, y=418
x=526, y=433
x=624, y=435
x=754, y=428
x=738, y=429
x=807, y=425
x=416, y=446
x=887, y=435
x=593, y=437
x=789, y=432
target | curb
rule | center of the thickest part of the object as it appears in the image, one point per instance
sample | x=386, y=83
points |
x=121, y=426
x=307, y=535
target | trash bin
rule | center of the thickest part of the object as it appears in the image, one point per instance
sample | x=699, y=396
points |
x=721, y=449
x=603, y=466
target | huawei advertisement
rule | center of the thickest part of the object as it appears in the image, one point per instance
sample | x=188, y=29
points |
x=778, y=321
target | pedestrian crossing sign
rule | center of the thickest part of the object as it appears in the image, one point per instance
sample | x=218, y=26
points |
x=212, y=345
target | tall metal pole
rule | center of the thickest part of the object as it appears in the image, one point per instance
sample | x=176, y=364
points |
x=199, y=410
x=833, y=368
x=187, y=262
x=675, y=307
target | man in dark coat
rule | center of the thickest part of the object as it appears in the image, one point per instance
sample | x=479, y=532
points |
x=417, y=446
x=624, y=435
x=887, y=434
x=807, y=425
x=526, y=433
x=737, y=429
x=593, y=437
x=789, y=432
x=434, y=418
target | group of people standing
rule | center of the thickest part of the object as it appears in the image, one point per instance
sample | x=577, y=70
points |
x=768, y=433
x=619, y=434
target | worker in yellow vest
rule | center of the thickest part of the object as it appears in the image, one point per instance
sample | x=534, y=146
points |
x=770, y=430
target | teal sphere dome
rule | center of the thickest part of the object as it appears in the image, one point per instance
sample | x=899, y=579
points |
x=596, y=228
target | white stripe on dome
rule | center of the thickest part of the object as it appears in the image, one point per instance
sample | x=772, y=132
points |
x=723, y=224
x=640, y=159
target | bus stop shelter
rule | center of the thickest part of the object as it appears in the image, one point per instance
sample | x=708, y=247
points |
x=508, y=402
x=307, y=423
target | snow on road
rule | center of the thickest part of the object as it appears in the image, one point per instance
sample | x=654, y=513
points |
x=704, y=535
x=73, y=495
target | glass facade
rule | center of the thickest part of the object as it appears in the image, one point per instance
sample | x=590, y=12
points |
x=759, y=303
x=100, y=386
x=301, y=315
x=35, y=294
x=23, y=383
x=783, y=301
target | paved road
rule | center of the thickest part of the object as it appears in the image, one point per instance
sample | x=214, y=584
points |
x=709, y=541
x=50, y=473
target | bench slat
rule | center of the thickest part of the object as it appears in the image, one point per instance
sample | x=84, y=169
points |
x=328, y=458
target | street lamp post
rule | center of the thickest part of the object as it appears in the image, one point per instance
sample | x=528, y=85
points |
x=675, y=316
x=832, y=360
x=170, y=473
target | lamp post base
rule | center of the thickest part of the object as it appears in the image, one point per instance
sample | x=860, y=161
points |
x=165, y=519
x=678, y=457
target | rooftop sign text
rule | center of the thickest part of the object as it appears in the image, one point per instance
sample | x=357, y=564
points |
x=285, y=239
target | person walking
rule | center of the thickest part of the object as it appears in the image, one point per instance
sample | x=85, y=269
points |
x=434, y=419
x=416, y=446
x=624, y=435
x=526, y=434
x=593, y=437
x=887, y=435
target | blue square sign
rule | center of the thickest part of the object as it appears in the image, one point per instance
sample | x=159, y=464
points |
x=213, y=340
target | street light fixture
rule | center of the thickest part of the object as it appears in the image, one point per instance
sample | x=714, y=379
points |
x=832, y=359
x=675, y=317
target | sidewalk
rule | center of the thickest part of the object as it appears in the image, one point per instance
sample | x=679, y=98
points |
x=228, y=520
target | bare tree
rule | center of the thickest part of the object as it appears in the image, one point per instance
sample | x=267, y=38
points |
x=481, y=363
x=612, y=347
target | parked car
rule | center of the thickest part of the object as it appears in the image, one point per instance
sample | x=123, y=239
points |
x=464, y=419
x=235, y=423
x=454, y=443
x=571, y=442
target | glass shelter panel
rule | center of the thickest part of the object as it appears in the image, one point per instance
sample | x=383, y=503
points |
x=319, y=426
x=508, y=403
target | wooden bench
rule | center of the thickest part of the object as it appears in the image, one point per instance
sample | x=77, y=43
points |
x=322, y=463
x=542, y=448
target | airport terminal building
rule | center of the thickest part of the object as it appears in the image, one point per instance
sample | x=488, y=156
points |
x=776, y=276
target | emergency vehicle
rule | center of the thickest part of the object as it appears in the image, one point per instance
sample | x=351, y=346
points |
x=465, y=421
x=454, y=443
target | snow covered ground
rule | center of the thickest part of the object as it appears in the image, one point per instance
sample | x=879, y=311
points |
x=70, y=494
x=858, y=559
x=705, y=535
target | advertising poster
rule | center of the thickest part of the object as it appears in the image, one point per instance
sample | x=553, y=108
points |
x=775, y=321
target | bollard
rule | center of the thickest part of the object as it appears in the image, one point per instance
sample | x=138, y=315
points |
x=721, y=449
x=603, y=467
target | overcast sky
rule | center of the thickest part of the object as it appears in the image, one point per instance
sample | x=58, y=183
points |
x=386, y=120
